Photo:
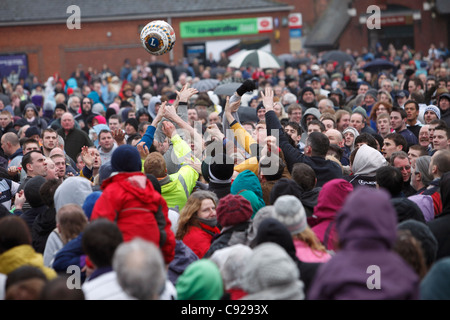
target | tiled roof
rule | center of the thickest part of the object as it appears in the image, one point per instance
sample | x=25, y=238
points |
x=35, y=11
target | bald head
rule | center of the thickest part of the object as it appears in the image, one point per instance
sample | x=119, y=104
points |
x=335, y=136
x=67, y=121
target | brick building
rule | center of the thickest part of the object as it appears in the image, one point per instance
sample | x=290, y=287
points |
x=345, y=24
x=109, y=33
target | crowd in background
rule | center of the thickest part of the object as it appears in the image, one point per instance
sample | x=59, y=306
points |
x=332, y=166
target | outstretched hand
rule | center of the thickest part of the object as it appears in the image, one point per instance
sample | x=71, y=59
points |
x=233, y=106
x=186, y=93
x=143, y=150
x=215, y=132
x=119, y=136
x=87, y=157
x=267, y=98
x=168, y=128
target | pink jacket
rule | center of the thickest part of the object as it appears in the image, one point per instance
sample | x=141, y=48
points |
x=306, y=254
x=330, y=200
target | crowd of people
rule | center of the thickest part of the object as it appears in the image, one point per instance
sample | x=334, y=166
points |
x=319, y=180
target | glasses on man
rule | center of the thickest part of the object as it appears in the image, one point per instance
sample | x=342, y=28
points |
x=404, y=168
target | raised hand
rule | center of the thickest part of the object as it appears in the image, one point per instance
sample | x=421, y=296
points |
x=143, y=150
x=233, y=106
x=119, y=136
x=170, y=112
x=215, y=132
x=87, y=157
x=186, y=93
x=267, y=98
x=168, y=128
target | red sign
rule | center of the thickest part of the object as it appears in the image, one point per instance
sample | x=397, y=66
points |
x=295, y=20
x=265, y=23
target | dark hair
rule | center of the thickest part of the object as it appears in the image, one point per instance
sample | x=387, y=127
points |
x=57, y=289
x=416, y=105
x=14, y=232
x=390, y=178
x=103, y=131
x=23, y=273
x=398, y=140
x=317, y=122
x=27, y=159
x=304, y=175
x=47, y=191
x=319, y=143
x=367, y=138
x=100, y=239
x=443, y=128
x=400, y=110
x=133, y=137
x=410, y=249
x=295, y=126
x=29, y=141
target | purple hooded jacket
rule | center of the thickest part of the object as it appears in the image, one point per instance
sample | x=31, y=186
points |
x=365, y=267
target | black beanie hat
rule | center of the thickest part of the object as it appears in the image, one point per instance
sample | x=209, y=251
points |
x=285, y=186
x=306, y=89
x=31, y=191
x=133, y=122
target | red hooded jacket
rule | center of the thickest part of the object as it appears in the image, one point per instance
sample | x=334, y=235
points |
x=129, y=199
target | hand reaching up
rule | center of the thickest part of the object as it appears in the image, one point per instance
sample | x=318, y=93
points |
x=267, y=98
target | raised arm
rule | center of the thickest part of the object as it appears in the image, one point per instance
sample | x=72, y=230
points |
x=273, y=125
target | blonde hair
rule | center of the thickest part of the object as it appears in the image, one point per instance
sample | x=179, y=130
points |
x=309, y=237
x=190, y=209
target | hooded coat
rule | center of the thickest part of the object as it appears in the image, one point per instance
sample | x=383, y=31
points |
x=367, y=161
x=200, y=281
x=440, y=226
x=271, y=274
x=247, y=185
x=366, y=267
x=272, y=230
x=129, y=199
x=315, y=112
x=21, y=255
x=184, y=256
x=331, y=199
x=37, y=121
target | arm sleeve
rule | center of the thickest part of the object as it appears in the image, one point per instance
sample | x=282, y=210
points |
x=106, y=206
x=182, y=150
x=243, y=137
x=148, y=137
x=190, y=176
x=291, y=155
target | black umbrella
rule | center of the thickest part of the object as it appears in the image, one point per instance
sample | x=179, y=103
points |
x=227, y=89
x=205, y=85
x=378, y=65
x=337, y=55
